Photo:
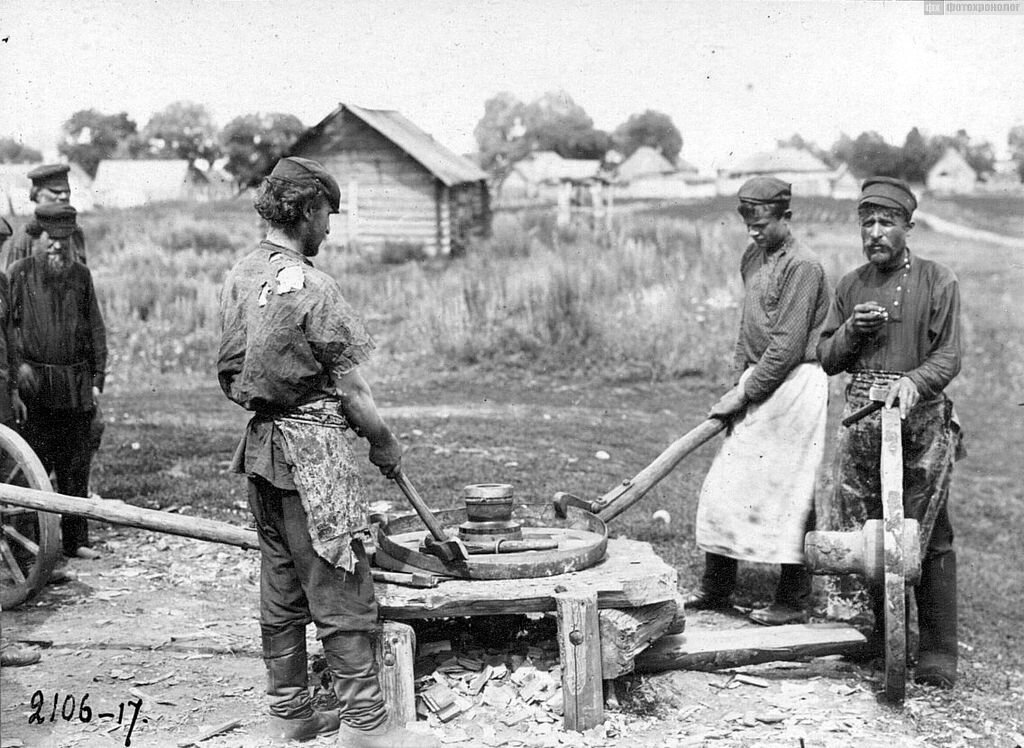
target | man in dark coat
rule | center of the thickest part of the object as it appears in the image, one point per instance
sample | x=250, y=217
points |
x=61, y=344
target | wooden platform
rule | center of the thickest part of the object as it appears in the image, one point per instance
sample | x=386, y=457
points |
x=631, y=581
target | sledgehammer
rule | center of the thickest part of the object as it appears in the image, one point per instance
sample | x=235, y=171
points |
x=877, y=396
x=436, y=543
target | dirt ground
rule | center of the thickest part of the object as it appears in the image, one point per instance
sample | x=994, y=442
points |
x=171, y=622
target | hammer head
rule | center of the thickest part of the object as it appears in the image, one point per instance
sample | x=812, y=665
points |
x=448, y=550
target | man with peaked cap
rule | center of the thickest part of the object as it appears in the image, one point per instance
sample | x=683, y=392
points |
x=290, y=352
x=895, y=323
x=758, y=496
x=49, y=185
x=61, y=344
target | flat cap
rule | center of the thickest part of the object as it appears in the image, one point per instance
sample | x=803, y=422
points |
x=56, y=219
x=888, y=192
x=47, y=175
x=306, y=171
x=765, y=190
x=5, y=229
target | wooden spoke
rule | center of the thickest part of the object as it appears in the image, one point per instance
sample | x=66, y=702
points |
x=11, y=562
x=21, y=540
x=15, y=472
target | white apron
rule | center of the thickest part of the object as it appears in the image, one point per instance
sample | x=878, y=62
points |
x=759, y=492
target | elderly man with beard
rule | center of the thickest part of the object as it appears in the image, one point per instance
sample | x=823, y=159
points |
x=61, y=344
x=49, y=185
x=290, y=352
x=895, y=323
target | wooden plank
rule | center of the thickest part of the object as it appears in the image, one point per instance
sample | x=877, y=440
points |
x=895, y=569
x=631, y=575
x=714, y=650
x=579, y=646
x=395, y=657
x=119, y=513
x=625, y=633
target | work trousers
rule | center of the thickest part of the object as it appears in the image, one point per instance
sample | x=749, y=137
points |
x=61, y=440
x=296, y=585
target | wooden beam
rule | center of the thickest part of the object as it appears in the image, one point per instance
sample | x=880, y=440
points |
x=394, y=651
x=626, y=633
x=579, y=645
x=119, y=513
x=716, y=650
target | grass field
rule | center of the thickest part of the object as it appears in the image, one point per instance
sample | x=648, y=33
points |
x=520, y=364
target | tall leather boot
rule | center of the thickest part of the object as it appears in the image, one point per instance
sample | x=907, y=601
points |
x=937, y=614
x=791, y=594
x=364, y=716
x=292, y=716
x=716, y=584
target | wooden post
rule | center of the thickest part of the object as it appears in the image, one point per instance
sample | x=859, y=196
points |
x=394, y=652
x=895, y=572
x=579, y=645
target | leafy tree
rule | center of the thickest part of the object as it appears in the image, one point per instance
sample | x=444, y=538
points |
x=554, y=122
x=1015, y=139
x=91, y=136
x=254, y=142
x=500, y=133
x=15, y=152
x=868, y=155
x=183, y=129
x=653, y=129
x=917, y=158
x=510, y=129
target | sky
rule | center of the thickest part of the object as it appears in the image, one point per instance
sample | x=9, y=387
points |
x=733, y=76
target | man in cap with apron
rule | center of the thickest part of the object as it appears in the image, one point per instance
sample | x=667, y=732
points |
x=290, y=352
x=758, y=496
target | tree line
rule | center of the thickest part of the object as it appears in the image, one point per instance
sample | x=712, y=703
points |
x=509, y=130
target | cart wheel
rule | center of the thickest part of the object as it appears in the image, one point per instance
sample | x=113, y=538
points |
x=30, y=544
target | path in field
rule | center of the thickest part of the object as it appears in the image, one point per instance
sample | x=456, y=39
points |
x=960, y=231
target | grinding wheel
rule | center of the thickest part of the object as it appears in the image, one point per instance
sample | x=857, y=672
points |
x=895, y=564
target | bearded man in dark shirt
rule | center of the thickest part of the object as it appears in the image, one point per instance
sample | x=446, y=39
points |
x=895, y=323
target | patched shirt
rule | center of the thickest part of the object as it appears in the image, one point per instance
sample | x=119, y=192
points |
x=922, y=336
x=784, y=306
x=285, y=326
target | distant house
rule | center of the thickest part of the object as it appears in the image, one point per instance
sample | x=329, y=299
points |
x=805, y=171
x=647, y=174
x=844, y=186
x=126, y=183
x=539, y=176
x=399, y=186
x=951, y=175
x=15, y=185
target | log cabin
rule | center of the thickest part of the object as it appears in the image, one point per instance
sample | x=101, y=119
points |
x=403, y=193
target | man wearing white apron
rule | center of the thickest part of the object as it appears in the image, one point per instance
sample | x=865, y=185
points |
x=758, y=495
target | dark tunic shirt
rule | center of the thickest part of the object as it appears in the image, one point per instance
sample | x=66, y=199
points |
x=921, y=338
x=59, y=332
x=785, y=302
x=285, y=329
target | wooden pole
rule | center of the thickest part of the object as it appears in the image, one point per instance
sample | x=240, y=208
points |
x=622, y=497
x=395, y=647
x=118, y=513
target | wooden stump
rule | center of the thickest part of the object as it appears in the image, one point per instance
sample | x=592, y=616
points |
x=627, y=633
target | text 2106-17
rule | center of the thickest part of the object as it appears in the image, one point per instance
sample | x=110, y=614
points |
x=70, y=709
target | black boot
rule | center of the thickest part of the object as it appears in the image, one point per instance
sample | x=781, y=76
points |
x=363, y=713
x=715, y=586
x=791, y=594
x=292, y=716
x=937, y=614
